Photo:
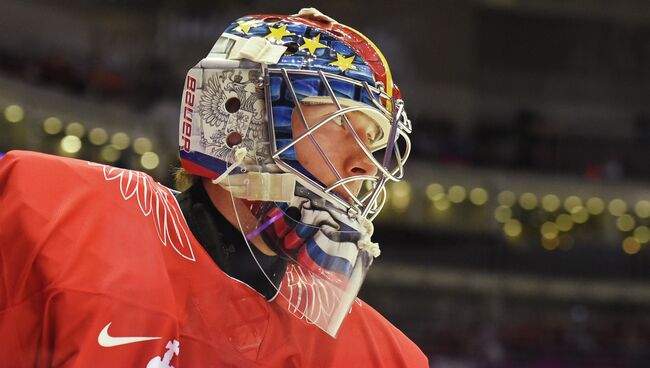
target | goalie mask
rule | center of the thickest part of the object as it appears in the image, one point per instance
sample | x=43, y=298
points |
x=297, y=117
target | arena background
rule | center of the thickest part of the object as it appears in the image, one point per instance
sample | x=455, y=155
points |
x=519, y=236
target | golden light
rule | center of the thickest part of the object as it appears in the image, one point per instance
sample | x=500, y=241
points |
x=549, y=230
x=564, y=222
x=625, y=222
x=631, y=246
x=550, y=243
x=642, y=234
x=400, y=198
x=110, y=154
x=98, y=136
x=478, y=196
x=150, y=161
x=52, y=125
x=457, y=194
x=579, y=215
x=506, y=198
x=528, y=201
x=433, y=189
x=550, y=202
x=120, y=140
x=595, y=206
x=617, y=207
x=502, y=213
x=70, y=144
x=75, y=129
x=142, y=145
x=642, y=209
x=512, y=228
x=571, y=202
x=441, y=202
x=14, y=113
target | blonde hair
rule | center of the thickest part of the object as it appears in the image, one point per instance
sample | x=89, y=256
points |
x=183, y=180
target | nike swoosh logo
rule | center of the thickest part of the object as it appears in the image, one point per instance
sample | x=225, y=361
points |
x=107, y=341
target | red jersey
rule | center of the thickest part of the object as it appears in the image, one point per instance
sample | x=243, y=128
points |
x=99, y=269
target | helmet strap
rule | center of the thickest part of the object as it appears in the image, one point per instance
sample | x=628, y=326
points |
x=261, y=186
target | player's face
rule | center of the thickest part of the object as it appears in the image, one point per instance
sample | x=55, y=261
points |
x=338, y=144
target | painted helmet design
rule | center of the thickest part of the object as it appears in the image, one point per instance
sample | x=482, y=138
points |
x=247, y=114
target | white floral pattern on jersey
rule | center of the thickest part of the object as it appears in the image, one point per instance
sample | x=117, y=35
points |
x=155, y=198
x=309, y=297
x=173, y=348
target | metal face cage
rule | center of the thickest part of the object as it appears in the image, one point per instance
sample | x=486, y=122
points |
x=388, y=158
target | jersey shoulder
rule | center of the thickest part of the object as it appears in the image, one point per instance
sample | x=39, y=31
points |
x=19, y=158
x=397, y=349
x=54, y=208
x=40, y=169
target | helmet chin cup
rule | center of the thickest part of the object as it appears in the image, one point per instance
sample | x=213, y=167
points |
x=261, y=186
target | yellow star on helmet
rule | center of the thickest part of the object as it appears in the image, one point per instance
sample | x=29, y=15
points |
x=278, y=33
x=245, y=25
x=312, y=44
x=344, y=63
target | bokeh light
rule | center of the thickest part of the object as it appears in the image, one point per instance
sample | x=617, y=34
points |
x=441, y=202
x=142, y=145
x=528, y=201
x=110, y=154
x=631, y=246
x=150, y=161
x=571, y=202
x=550, y=243
x=512, y=228
x=551, y=202
x=617, y=207
x=120, y=140
x=642, y=209
x=457, y=194
x=579, y=215
x=642, y=234
x=98, y=136
x=52, y=125
x=70, y=144
x=14, y=113
x=625, y=222
x=549, y=230
x=502, y=213
x=506, y=198
x=433, y=189
x=400, y=191
x=595, y=206
x=478, y=196
x=75, y=129
x=564, y=222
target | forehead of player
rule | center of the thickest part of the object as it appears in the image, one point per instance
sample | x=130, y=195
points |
x=366, y=127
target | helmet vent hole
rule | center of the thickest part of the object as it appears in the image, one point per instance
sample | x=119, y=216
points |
x=292, y=48
x=233, y=139
x=232, y=105
x=272, y=20
x=293, y=213
x=336, y=33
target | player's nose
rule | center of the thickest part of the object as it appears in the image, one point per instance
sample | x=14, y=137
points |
x=359, y=163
